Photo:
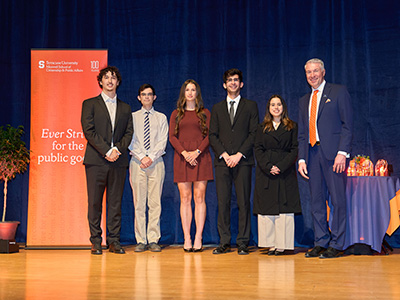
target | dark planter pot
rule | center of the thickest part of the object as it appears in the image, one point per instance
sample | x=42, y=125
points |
x=8, y=229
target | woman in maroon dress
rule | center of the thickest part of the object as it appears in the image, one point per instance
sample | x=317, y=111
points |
x=188, y=134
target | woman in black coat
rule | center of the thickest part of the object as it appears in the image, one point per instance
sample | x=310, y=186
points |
x=276, y=195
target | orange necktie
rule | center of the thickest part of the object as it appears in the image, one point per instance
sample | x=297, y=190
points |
x=313, y=117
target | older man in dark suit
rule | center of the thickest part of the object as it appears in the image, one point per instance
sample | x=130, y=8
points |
x=233, y=127
x=325, y=135
x=108, y=128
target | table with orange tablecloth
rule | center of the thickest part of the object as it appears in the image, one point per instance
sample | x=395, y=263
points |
x=373, y=205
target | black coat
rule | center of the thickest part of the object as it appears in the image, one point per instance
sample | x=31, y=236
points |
x=276, y=194
x=96, y=125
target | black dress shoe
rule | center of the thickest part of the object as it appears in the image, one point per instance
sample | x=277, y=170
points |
x=115, y=247
x=222, y=249
x=284, y=252
x=271, y=252
x=96, y=249
x=188, y=250
x=331, y=253
x=315, y=252
x=243, y=250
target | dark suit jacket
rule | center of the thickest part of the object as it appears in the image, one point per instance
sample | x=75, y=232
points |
x=238, y=137
x=274, y=194
x=334, y=122
x=96, y=125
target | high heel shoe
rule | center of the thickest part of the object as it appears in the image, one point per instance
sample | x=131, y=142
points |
x=188, y=243
x=199, y=249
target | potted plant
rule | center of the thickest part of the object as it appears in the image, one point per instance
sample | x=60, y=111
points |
x=14, y=159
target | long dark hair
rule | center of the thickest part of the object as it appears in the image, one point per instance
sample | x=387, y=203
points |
x=267, y=122
x=199, y=107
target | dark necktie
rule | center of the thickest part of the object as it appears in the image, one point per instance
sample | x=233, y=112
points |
x=232, y=111
x=146, y=131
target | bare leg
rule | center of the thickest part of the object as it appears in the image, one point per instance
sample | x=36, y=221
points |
x=199, y=192
x=185, y=191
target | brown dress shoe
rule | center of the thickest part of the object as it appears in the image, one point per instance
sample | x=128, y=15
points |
x=96, y=249
x=115, y=247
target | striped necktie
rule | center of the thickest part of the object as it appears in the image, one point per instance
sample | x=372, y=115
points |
x=147, y=131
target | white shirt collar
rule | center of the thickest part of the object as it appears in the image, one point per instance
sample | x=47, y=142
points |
x=237, y=99
x=320, y=88
x=105, y=97
x=151, y=111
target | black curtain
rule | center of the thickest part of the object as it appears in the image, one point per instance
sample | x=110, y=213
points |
x=166, y=42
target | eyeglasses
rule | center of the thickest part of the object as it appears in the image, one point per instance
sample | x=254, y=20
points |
x=144, y=94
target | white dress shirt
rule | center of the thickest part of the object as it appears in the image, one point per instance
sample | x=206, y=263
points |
x=158, y=134
x=319, y=96
x=111, y=105
x=235, y=105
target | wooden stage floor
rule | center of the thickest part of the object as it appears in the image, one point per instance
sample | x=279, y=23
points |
x=174, y=274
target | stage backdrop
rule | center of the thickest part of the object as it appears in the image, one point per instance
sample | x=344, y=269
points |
x=165, y=42
x=61, y=80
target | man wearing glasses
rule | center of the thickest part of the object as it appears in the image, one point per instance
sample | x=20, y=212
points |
x=147, y=170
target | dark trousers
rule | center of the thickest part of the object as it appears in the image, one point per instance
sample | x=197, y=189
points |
x=325, y=182
x=241, y=177
x=111, y=180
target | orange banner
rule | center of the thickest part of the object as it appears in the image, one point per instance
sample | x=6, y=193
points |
x=60, y=81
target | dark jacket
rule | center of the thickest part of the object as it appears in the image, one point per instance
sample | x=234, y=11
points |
x=276, y=194
x=238, y=137
x=97, y=128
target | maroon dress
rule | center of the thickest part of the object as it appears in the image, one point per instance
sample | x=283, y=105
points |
x=190, y=138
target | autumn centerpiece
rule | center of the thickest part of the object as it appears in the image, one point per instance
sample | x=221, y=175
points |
x=14, y=159
x=360, y=165
x=381, y=168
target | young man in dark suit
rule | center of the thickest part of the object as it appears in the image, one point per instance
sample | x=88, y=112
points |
x=107, y=126
x=233, y=127
x=325, y=135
